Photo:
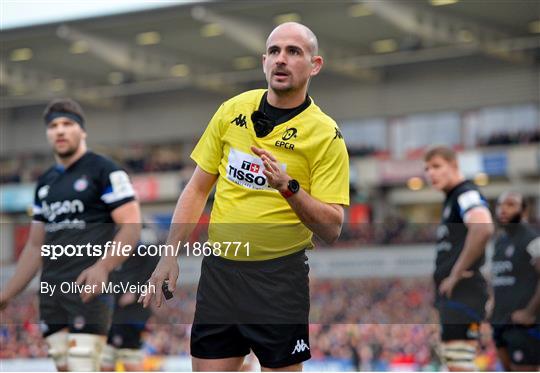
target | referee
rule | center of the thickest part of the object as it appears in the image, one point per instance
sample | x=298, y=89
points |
x=282, y=174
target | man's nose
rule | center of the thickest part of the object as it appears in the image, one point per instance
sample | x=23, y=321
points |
x=281, y=58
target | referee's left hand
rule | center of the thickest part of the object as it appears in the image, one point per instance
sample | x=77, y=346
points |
x=276, y=177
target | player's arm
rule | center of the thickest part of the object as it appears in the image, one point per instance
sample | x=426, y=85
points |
x=527, y=315
x=323, y=219
x=27, y=266
x=128, y=219
x=186, y=215
x=479, y=230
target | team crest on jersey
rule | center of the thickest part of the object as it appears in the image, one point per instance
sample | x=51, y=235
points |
x=43, y=191
x=80, y=184
x=446, y=212
x=509, y=251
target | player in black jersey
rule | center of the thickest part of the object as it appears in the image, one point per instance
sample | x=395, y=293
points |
x=465, y=228
x=124, y=340
x=516, y=287
x=81, y=203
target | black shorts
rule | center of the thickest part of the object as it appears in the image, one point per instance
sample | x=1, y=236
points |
x=261, y=306
x=461, y=315
x=522, y=343
x=128, y=324
x=61, y=311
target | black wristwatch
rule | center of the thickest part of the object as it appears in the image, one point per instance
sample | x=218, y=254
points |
x=293, y=186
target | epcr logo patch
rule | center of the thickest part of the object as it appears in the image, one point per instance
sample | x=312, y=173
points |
x=80, y=184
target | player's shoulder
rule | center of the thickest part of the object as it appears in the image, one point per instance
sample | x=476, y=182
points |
x=47, y=175
x=529, y=231
x=468, y=196
x=467, y=188
x=100, y=162
x=252, y=97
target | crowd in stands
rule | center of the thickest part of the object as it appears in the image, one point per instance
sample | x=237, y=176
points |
x=511, y=138
x=135, y=159
x=145, y=158
x=371, y=324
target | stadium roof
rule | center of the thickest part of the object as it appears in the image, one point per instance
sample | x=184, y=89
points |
x=217, y=46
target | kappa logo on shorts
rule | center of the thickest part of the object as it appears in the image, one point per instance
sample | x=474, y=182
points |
x=301, y=346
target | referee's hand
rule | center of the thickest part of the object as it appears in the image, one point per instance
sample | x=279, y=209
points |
x=276, y=177
x=166, y=270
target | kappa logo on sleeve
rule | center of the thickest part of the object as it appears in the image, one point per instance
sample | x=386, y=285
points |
x=247, y=170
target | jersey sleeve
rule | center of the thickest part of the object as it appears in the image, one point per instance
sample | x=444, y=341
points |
x=209, y=150
x=115, y=185
x=330, y=173
x=37, y=208
x=533, y=248
x=469, y=200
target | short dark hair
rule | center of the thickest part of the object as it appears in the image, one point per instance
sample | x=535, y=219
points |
x=64, y=105
x=446, y=153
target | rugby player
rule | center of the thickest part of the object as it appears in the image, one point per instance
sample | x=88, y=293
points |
x=465, y=228
x=83, y=199
x=515, y=279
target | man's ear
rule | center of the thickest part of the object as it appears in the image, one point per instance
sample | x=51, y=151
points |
x=317, y=62
x=263, y=63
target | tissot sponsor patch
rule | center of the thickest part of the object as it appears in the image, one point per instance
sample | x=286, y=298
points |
x=246, y=170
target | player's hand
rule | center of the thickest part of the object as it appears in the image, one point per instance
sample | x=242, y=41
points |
x=166, y=270
x=127, y=299
x=277, y=178
x=95, y=276
x=523, y=317
x=447, y=285
x=490, y=305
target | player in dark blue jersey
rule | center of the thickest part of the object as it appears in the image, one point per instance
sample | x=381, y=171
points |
x=515, y=273
x=124, y=341
x=82, y=204
x=465, y=228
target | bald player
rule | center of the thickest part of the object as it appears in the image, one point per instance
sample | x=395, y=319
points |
x=515, y=273
x=282, y=174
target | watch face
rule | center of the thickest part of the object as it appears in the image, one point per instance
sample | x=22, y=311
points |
x=294, y=186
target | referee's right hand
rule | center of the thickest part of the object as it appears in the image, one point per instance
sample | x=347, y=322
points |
x=166, y=270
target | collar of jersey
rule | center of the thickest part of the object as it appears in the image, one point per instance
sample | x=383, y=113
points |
x=61, y=169
x=289, y=116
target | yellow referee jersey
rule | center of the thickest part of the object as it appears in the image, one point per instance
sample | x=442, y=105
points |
x=309, y=147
